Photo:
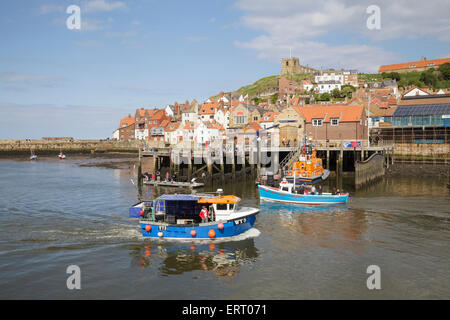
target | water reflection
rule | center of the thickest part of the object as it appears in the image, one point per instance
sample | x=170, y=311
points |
x=224, y=259
x=299, y=227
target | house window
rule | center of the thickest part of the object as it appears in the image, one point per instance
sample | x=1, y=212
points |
x=412, y=66
x=316, y=122
x=255, y=118
x=155, y=121
x=240, y=119
x=334, y=121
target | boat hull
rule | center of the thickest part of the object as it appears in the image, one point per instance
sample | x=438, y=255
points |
x=272, y=194
x=230, y=229
x=308, y=180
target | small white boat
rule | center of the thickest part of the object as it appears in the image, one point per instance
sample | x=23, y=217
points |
x=33, y=157
x=61, y=156
x=174, y=184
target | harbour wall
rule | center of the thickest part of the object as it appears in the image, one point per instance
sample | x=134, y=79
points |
x=44, y=147
x=370, y=170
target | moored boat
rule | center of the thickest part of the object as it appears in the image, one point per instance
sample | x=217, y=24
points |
x=308, y=169
x=290, y=193
x=61, y=156
x=177, y=217
x=174, y=183
x=33, y=157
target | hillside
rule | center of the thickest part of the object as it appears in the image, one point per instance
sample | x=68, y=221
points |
x=266, y=84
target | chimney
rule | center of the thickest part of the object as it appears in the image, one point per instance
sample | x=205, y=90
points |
x=423, y=58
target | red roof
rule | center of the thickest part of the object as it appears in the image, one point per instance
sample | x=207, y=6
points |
x=417, y=64
x=172, y=126
x=254, y=125
x=346, y=113
x=209, y=108
x=270, y=116
x=190, y=125
x=126, y=121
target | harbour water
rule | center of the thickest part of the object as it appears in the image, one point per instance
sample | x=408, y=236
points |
x=57, y=213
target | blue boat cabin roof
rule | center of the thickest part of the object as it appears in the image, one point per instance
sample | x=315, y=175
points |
x=179, y=197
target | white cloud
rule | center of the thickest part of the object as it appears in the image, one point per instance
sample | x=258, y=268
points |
x=102, y=5
x=29, y=79
x=309, y=26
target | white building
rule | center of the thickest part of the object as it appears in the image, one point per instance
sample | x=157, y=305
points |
x=116, y=134
x=335, y=76
x=416, y=92
x=222, y=116
x=173, y=133
x=141, y=132
x=170, y=110
x=328, y=86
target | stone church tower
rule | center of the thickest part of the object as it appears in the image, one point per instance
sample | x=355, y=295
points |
x=290, y=66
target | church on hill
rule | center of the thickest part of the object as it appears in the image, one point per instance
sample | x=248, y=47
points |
x=292, y=65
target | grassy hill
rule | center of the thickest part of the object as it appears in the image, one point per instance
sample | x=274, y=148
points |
x=267, y=83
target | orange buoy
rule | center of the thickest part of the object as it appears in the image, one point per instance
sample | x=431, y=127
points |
x=148, y=227
x=193, y=233
x=220, y=226
x=211, y=233
x=142, y=212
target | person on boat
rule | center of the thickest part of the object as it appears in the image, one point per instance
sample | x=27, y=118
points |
x=334, y=192
x=167, y=176
x=313, y=190
x=338, y=192
x=319, y=190
x=301, y=190
x=193, y=180
x=153, y=177
x=204, y=214
x=174, y=177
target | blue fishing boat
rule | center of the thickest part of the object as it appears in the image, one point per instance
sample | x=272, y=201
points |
x=290, y=193
x=177, y=217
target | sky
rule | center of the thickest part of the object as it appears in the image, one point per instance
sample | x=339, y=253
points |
x=56, y=81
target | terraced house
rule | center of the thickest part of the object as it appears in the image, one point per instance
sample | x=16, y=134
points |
x=335, y=123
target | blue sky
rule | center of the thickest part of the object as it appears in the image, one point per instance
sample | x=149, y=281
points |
x=144, y=53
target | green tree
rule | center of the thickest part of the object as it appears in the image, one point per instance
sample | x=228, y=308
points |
x=444, y=69
x=395, y=76
x=325, y=96
x=428, y=78
x=274, y=98
x=403, y=83
x=336, y=93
